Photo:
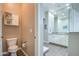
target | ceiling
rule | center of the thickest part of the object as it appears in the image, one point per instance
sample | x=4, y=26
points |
x=61, y=9
x=53, y=6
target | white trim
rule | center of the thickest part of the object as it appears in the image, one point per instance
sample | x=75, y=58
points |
x=23, y=52
x=38, y=32
x=1, y=49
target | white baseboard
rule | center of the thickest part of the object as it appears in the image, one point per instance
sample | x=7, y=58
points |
x=23, y=52
x=5, y=52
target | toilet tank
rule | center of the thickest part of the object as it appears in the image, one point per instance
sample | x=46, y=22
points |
x=11, y=41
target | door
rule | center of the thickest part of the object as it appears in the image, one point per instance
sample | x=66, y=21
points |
x=74, y=44
x=0, y=33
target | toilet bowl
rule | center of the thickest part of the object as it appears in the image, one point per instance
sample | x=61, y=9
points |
x=12, y=47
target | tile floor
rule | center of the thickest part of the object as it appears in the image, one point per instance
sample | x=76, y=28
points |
x=56, y=50
x=19, y=53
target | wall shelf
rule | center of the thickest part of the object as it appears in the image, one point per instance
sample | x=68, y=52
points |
x=11, y=19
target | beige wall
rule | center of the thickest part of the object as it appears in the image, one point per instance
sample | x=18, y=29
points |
x=26, y=16
x=11, y=31
x=28, y=19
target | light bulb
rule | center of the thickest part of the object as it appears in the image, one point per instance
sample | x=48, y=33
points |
x=67, y=4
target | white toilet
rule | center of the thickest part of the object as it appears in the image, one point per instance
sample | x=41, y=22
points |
x=12, y=47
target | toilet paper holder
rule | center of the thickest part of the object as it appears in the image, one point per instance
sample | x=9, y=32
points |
x=24, y=44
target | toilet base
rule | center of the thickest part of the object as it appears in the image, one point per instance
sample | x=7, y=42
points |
x=13, y=54
x=13, y=49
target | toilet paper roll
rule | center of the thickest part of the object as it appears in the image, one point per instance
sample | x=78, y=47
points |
x=23, y=45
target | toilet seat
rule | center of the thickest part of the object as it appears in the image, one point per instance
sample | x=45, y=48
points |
x=13, y=48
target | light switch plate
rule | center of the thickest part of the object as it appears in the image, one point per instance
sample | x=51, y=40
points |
x=30, y=30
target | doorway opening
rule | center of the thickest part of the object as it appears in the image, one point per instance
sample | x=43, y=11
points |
x=55, y=29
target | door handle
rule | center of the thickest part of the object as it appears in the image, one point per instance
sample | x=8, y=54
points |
x=34, y=37
x=2, y=36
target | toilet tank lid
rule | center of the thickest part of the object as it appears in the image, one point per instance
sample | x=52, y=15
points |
x=11, y=39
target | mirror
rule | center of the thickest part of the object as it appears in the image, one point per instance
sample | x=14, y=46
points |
x=58, y=21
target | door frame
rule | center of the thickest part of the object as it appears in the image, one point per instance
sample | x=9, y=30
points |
x=38, y=31
x=1, y=53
